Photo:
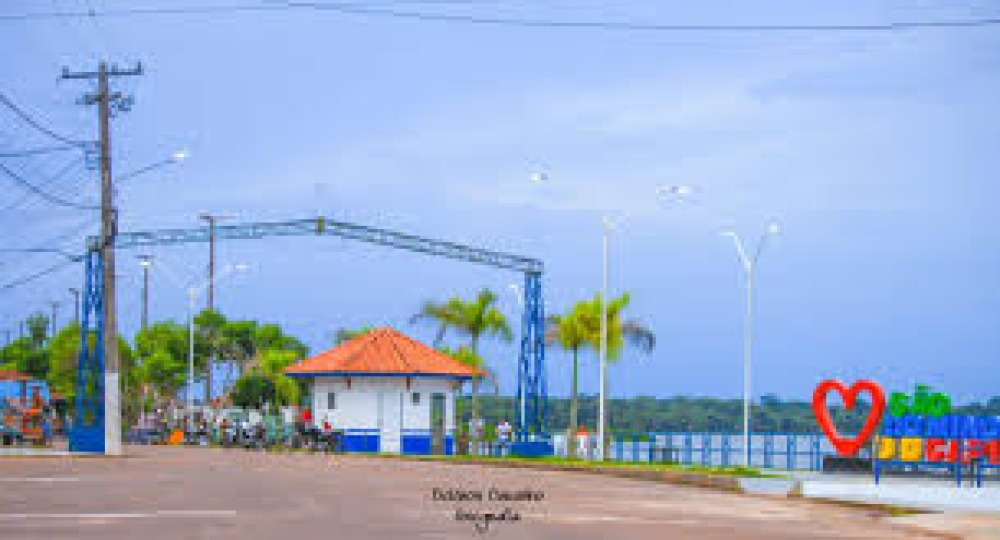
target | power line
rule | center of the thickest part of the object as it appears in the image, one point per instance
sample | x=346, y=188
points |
x=44, y=194
x=642, y=27
x=35, y=124
x=50, y=180
x=32, y=277
x=356, y=8
x=36, y=151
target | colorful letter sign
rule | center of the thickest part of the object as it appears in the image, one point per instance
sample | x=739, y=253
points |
x=919, y=428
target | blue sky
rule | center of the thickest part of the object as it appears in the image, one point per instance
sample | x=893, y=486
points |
x=876, y=152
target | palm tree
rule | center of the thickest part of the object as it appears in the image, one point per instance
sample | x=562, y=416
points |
x=581, y=327
x=476, y=319
x=571, y=333
x=443, y=315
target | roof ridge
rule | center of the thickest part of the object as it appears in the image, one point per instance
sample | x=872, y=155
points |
x=399, y=353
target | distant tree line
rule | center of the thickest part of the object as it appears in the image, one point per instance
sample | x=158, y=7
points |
x=648, y=414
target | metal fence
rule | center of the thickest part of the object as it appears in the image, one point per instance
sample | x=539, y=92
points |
x=791, y=451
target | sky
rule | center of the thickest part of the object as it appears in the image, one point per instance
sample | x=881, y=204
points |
x=875, y=152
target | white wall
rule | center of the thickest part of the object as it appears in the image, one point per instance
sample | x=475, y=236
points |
x=358, y=407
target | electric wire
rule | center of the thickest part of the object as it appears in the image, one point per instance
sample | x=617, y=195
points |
x=37, y=151
x=35, y=124
x=37, y=275
x=356, y=8
x=44, y=194
x=49, y=181
x=643, y=27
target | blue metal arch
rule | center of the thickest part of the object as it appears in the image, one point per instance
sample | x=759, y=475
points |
x=531, y=367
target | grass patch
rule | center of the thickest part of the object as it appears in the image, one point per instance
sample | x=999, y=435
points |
x=741, y=472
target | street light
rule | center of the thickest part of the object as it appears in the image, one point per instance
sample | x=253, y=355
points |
x=146, y=261
x=749, y=264
x=608, y=226
x=174, y=159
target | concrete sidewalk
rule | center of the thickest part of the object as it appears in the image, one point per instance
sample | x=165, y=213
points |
x=935, y=494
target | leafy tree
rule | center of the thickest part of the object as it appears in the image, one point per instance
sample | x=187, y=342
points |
x=267, y=382
x=210, y=341
x=38, y=329
x=252, y=391
x=346, y=334
x=163, y=350
x=271, y=337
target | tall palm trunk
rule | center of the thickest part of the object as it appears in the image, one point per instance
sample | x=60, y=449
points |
x=475, y=400
x=573, y=406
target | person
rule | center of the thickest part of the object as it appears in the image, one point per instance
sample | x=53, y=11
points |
x=503, y=434
x=327, y=433
x=582, y=442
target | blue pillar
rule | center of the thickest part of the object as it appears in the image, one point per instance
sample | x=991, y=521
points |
x=531, y=369
x=87, y=431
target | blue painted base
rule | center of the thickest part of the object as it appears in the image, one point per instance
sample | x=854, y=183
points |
x=416, y=445
x=87, y=439
x=361, y=443
x=420, y=445
x=532, y=449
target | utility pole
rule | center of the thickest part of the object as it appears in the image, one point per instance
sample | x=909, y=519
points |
x=146, y=261
x=211, y=219
x=76, y=304
x=104, y=99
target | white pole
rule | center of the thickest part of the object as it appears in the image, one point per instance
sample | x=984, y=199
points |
x=747, y=358
x=604, y=344
x=190, y=390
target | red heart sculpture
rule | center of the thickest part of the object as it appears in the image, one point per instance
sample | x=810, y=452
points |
x=848, y=446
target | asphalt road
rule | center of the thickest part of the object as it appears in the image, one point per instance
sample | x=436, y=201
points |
x=176, y=492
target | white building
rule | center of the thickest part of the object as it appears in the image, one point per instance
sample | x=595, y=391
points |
x=387, y=393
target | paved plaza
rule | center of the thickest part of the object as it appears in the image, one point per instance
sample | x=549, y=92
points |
x=185, y=492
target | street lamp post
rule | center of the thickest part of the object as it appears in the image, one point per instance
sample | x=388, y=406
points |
x=192, y=296
x=523, y=390
x=749, y=264
x=192, y=293
x=174, y=159
x=146, y=261
x=608, y=225
x=76, y=304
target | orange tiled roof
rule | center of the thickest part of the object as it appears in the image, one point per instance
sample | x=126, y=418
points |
x=383, y=351
x=9, y=374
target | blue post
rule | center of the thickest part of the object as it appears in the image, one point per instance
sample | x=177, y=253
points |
x=87, y=432
x=819, y=452
x=876, y=459
x=726, y=447
x=769, y=451
x=789, y=448
x=958, y=462
x=706, y=448
x=687, y=448
x=532, y=391
x=635, y=448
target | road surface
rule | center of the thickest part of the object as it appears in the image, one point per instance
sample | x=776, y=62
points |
x=183, y=492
